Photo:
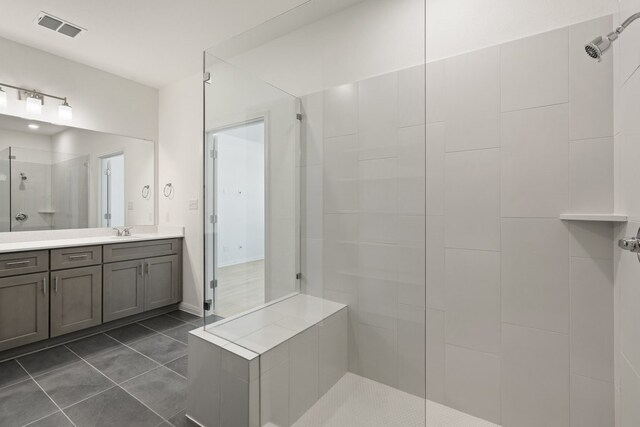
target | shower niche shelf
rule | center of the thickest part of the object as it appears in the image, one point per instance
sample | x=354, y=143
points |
x=594, y=217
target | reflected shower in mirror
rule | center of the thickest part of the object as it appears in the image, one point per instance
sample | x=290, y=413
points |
x=56, y=177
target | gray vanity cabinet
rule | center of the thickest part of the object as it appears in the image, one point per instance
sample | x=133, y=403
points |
x=24, y=309
x=162, y=282
x=123, y=289
x=76, y=299
x=141, y=276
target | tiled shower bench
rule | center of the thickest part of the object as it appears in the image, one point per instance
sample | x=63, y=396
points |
x=267, y=367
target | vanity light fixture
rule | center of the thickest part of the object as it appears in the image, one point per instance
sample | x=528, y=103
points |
x=33, y=126
x=34, y=104
x=35, y=101
x=65, y=112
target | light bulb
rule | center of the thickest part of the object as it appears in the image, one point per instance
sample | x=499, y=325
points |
x=65, y=112
x=3, y=99
x=34, y=105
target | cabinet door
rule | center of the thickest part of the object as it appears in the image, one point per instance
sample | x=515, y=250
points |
x=123, y=289
x=162, y=282
x=76, y=299
x=24, y=310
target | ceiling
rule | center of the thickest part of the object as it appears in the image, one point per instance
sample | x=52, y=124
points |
x=153, y=42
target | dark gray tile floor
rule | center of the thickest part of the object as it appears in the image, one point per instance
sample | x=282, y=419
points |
x=131, y=376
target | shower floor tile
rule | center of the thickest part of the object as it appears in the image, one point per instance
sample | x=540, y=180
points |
x=357, y=401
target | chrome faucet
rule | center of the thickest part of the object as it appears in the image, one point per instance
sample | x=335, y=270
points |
x=123, y=231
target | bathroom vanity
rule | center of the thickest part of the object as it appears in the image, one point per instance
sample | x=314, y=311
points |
x=53, y=287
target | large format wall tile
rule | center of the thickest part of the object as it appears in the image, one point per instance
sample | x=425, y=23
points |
x=591, y=175
x=435, y=92
x=312, y=129
x=591, y=239
x=472, y=199
x=629, y=408
x=435, y=169
x=535, y=377
x=341, y=174
x=411, y=353
x=592, y=402
x=378, y=116
x=590, y=83
x=378, y=185
x=592, y=318
x=535, y=158
x=435, y=251
x=341, y=110
x=535, y=71
x=472, y=100
x=473, y=382
x=535, y=273
x=411, y=96
x=435, y=356
x=411, y=170
x=473, y=299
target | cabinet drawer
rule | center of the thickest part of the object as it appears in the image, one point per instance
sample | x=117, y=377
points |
x=17, y=263
x=140, y=250
x=75, y=257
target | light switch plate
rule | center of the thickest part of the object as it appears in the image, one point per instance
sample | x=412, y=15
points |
x=193, y=204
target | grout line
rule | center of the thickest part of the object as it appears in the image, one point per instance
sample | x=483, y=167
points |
x=46, y=394
x=126, y=391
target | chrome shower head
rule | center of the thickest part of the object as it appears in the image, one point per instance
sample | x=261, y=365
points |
x=598, y=46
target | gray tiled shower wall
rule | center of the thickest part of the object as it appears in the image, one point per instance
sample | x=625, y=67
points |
x=519, y=305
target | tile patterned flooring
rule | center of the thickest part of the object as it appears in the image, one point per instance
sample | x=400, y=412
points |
x=134, y=375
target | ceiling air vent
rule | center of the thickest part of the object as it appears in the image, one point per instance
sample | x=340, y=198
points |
x=58, y=25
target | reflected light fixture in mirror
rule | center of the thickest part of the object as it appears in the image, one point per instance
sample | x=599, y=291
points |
x=3, y=99
x=33, y=126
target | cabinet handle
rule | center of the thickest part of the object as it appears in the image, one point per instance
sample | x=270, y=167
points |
x=148, y=267
x=55, y=285
x=78, y=256
x=140, y=269
x=44, y=285
x=14, y=263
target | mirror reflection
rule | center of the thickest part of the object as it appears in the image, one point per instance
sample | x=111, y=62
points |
x=55, y=177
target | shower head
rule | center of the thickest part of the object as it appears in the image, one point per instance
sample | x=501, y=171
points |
x=598, y=46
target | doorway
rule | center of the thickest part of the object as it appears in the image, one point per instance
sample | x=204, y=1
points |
x=112, y=190
x=236, y=226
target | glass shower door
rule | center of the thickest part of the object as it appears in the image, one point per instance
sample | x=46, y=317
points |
x=251, y=173
x=5, y=190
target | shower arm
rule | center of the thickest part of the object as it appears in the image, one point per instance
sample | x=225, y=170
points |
x=614, y=35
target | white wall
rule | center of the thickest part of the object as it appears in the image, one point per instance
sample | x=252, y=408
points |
x=100, y=101
x=240, y=193
x=458, y=26
x=180, y=152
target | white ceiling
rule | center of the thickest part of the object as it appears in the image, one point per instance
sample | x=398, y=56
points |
x=154, y=42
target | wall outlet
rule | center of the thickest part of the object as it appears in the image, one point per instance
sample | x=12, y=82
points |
x=130, y=206
x=193, y=205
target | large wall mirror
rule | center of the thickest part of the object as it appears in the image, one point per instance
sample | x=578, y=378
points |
x=56, y=177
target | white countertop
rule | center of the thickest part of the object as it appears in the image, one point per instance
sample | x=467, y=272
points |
x=37, y=240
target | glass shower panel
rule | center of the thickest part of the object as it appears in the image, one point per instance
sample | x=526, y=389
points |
x=5, y=190
x=358, y=68
x=252, y=237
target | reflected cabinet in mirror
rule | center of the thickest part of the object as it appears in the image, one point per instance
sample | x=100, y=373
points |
x=56, y=177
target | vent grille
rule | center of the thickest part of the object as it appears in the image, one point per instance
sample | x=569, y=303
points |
x=58, y=25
